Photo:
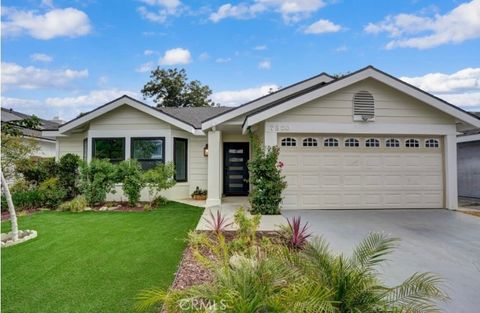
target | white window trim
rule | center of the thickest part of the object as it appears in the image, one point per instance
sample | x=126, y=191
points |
x=327, y=138
x=290, y=140
x=315, y=139
x=397, y=140
x=417, y=139
x=372, y=138
x=357, y=141
x=432, y=139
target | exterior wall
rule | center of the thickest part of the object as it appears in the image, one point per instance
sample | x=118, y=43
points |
x=128, y=122
x=469, y=169
x=391, y=106
x=71, y=144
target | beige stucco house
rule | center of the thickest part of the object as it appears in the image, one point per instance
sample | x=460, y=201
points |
x=365, y=140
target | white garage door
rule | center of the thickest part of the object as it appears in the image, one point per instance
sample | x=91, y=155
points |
x=351, y=174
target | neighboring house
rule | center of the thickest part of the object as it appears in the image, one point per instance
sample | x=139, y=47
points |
x=468, y=151
x=365, y=140
x=46, y=144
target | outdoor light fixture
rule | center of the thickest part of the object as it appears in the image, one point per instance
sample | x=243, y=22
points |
x=205, y=150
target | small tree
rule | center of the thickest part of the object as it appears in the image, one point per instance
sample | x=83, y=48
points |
x=129, y=172
x=171, y=88
x=159, y=178
x=97, y=178
x=68, y=174
x=14, y=149
x=266, y=178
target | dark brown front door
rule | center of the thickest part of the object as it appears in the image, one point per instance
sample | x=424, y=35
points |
x=235, y=174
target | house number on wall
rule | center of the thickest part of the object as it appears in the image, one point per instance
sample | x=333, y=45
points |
x=279, y=128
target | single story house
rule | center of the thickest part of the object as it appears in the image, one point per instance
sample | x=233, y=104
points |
x=468, y=152
x=364, y=140
x=46, y=144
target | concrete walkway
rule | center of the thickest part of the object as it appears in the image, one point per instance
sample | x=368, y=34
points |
x=439, y=241
x=228, y=208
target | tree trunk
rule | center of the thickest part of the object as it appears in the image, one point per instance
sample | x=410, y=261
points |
x=11, y=208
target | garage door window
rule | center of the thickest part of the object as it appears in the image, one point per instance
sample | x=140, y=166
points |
x=289, y=142
x=372, y=143
x=310, y=142
x=352, y=142
x=412, y=143
x=330, y=142
x=432, y=143
x=392, y=143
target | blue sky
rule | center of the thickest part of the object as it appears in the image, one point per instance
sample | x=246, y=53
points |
x=66, y=57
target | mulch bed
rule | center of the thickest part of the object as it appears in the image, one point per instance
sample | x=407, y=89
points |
x=474, y=213
x=6, y=214
x=190, y=272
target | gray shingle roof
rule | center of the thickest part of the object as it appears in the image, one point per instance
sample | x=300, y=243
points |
x=9, y=115
x=195, y=115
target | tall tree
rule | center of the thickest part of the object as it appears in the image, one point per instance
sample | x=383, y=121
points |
x=171, y=88
x=14, y=149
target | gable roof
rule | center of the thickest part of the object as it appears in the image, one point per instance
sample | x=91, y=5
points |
x=126, y=100
x=195, y=115
x=290, y=91
x=274, y=108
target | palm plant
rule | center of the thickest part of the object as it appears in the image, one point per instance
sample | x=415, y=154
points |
x=354, y=280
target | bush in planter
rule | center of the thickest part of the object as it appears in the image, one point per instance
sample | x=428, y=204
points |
x=51, y=193
x=199, y=193
x=159, y=178
x=129, y=173
x=97, y=178
x=266, y=178
x=68, y=174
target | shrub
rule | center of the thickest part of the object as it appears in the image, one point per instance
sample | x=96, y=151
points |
x=52, y=193
x=68, y=174
x=129, y=172
x=294, y=234
x=266, y=179
x=218, y=222
x=247, y=229
x=97, y=178
x=24, y=199
x=37, y=170
x=77, y=204
x=159, y=201
x=159, y=178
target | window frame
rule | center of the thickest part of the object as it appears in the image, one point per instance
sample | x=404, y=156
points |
x=331, y=139
x=85, y=150
x=347, y=143
x=416, y=146
x=368, y=142
x=397, y=143
x=109, y=138
x=132, y=141
x=309, y=142
x=185, y=140
x=428, y=142
x=289, y=140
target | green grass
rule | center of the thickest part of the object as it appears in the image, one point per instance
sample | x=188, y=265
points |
x=93, y=261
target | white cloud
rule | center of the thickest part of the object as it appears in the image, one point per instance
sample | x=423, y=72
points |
x=223, y=60
x=148, y=52
x=176, y=56
x=67, y=22
x=413, y=31
x=145, y=67
x=41, y=57
x=8, y=102
x=291, y=10
x=162, y=9
x=237, y=97
x=30, y=77
x=265, y=65
x=47, y=3
x=260, y=48
x=90, y=100
x=342, y=48
x=322, y=27
x=461, y=88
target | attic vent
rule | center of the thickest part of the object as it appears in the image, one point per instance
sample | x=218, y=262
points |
x=363, y=106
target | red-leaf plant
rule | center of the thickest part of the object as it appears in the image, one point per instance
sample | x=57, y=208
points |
x=218, y=222
x=299, y=233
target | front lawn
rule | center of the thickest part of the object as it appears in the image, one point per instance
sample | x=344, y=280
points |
x=93, y=261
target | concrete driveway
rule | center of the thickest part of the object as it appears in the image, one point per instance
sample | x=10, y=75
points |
x=439, y=241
